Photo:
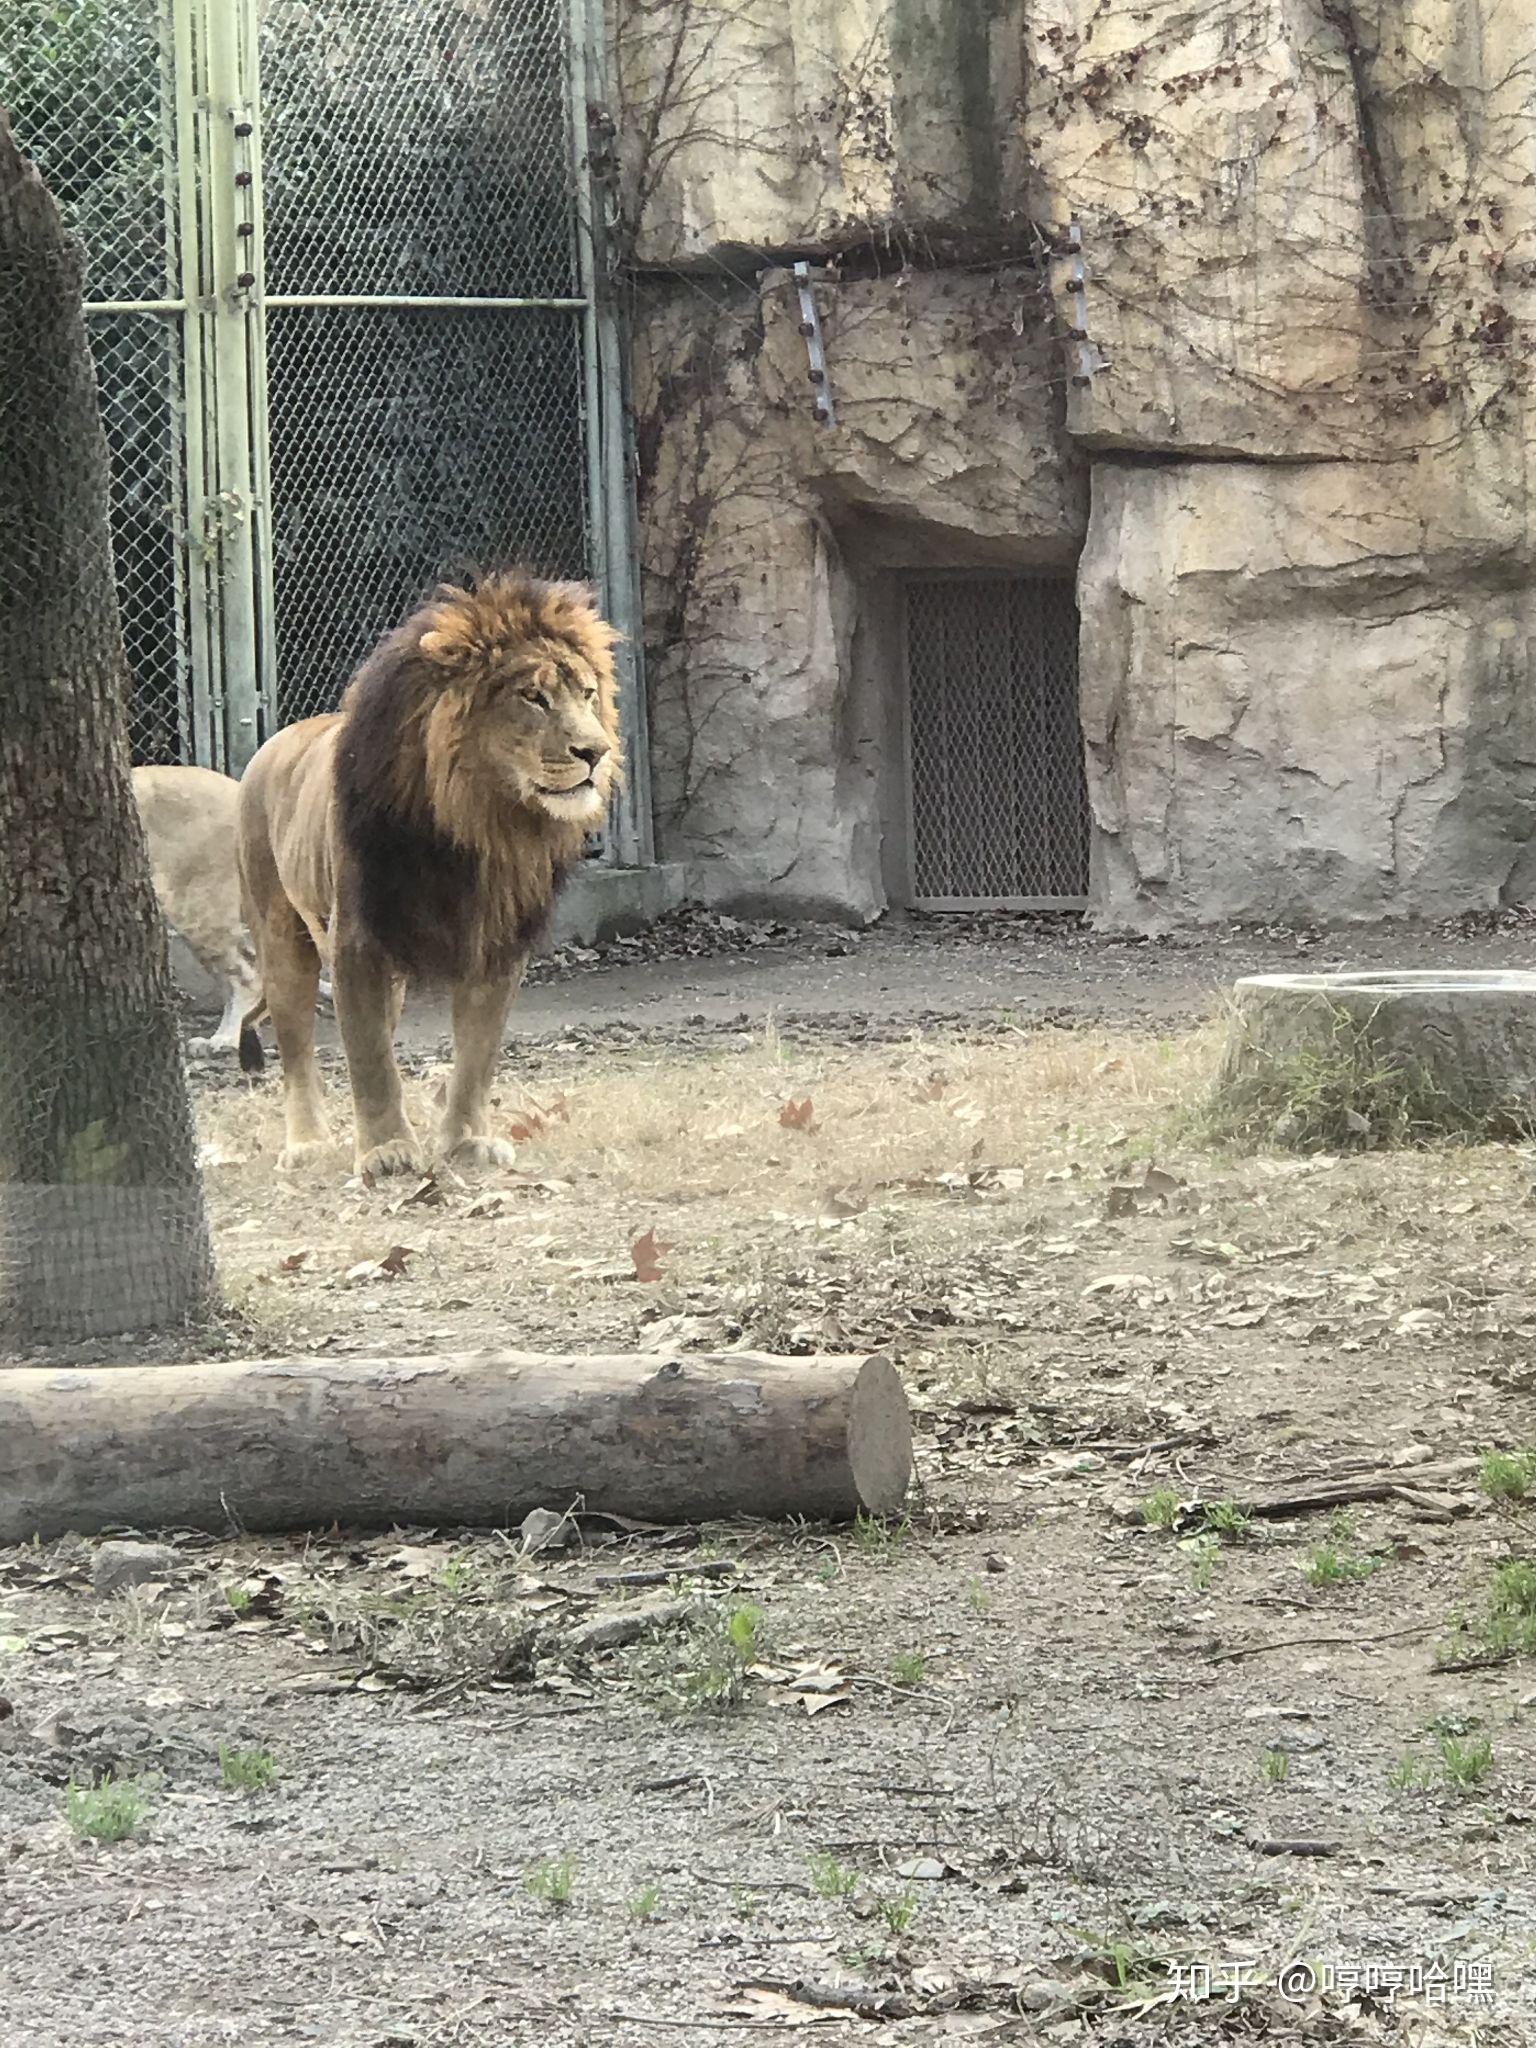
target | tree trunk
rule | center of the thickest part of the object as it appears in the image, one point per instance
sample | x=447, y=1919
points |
x=101, y=1214
x=299, y=1443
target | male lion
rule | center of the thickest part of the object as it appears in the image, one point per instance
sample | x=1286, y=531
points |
x=421, y=833
x=188, y=816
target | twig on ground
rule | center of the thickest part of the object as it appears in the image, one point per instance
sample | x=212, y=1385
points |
x=1395, y=1635
x=713, y=1568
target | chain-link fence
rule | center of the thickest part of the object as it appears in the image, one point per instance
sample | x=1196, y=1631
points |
x=417, y=181
x=88, y=85
x=999, y=804
x=406, y=445
x=343, y=317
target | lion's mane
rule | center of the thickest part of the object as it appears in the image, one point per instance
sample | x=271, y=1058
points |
x=447, y=879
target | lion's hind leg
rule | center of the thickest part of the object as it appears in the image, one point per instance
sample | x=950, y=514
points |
x=479, y=1020
x=244, y=992
x=290, y=974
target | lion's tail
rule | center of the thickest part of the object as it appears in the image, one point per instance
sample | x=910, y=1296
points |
x=253, y=1058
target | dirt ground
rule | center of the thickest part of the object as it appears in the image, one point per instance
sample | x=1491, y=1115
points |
x=1138, y=1703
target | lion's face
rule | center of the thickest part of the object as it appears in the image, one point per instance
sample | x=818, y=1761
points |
x=540, y=728
x=517, y=700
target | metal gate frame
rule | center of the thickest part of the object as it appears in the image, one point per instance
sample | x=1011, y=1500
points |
x=224, y=564
x=954, y=905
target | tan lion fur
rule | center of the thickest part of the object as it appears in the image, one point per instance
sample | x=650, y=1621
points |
x=189, y=816
x=421, y=833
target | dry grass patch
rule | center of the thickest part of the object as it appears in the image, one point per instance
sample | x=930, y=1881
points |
x=676, y=1127
x=727, y=1152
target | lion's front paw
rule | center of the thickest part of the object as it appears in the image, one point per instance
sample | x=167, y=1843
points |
x=395, y=1155
x=299, y=1153
x=472, y=1152
x=210, y=1048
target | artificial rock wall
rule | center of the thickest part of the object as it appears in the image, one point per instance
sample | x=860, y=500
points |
x=1293, y=471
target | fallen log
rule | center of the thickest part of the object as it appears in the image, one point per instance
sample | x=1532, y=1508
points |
x=469, y=1439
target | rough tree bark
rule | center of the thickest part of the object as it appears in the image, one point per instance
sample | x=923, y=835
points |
x=301, y=1443
x=101, y=1214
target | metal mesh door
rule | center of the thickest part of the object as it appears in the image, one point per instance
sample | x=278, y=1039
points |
x=424, y=314
x=90, y=88
x=999, y=806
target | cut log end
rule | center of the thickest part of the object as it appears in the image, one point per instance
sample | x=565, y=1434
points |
x=879, y=1438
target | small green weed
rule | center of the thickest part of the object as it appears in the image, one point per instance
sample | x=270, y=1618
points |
x=743, y=1628
x=899, y=1912
x=106, y=1810
x=246, y=1770
x=1204, y=1554
x=1338, y=1560
x=1514, y=1589
x=1452, y=1723
x=1466, y=1763
x=977, y=1598
x=1507, y=1627
x=1226, y=1518
x=1410, y=1774
x=236, y=1596
x=551, y=1883
x=1274, y=1766
x=703, y=1668
x=831, y=1879
x=644, y=1903
x=909, y=1667
x=1127, y=1965
x=880, y=1538
x=1507, y=1475
x=1326, y=1565
x=460, y=1574
x=1159, y=1509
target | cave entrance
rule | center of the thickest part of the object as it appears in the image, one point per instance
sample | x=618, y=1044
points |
x=997, y=800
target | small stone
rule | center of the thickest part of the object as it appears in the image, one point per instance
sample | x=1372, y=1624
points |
x=545, y=1530
x=117, y=1565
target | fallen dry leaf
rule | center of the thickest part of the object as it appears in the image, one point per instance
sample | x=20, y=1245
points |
x=390, y=1267
x=764, y=2006
x=415, y=1561
x=293, y=1262
x=646, y=1253
x=1119, y=1283
x=798, y=1116
x=818, y=1702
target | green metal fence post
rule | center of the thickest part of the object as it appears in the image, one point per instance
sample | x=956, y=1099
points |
x=199, y=742
x=233, y=259
x=615, y=538
x=261, y=468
